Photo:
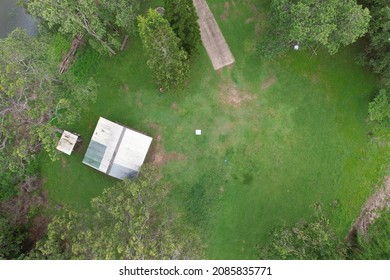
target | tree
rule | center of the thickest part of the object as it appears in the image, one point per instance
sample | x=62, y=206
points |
x=379, y=108
x=305, y=241
x=34, y=101
x=126, y=224
x=183, y=19
x=99, y=19
x=11, y=240
x=330, y=23
x=378, y=51
x=167, y=61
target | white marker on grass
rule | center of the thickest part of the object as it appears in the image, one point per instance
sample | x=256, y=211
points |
x=198, y=132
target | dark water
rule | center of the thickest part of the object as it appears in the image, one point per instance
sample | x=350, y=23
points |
x=12, y=16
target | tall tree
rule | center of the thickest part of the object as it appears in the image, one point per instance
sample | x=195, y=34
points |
x=183, y=19
x=378, y=56
x=330, y=24
x=11, y=240
x=305, y=240
x=378, y=51
x=379, y=109
x=127, y=224
x=99, y=19
x=167, y=61
x=34, y=101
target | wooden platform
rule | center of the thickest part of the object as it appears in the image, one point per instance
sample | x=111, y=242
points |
x=212, y=37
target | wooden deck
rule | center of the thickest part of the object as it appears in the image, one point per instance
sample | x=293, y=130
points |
x=212, y=37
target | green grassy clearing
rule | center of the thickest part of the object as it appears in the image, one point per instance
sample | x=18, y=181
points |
x=277, y=136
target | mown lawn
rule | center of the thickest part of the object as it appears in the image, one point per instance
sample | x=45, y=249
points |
x=277, y=136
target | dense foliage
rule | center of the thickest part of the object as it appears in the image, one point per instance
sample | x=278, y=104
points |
x=310, y=23
x=126, y=224
x=314, y=240
x=11, y=239
x=183, y=19
x=379, y=108
x=378, y=51
x=168, y=62
x=34, y=101
x=100, y=20
x=378, y=56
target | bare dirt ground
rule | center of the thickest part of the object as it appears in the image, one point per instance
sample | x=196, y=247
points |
x=212, y=38
x=17, y=208
x=370, y=211
x=158, y=155
x=230, y=95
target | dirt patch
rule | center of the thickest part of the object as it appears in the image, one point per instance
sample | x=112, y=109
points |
x=229, y=94
x=158, y=155
x=268, y=82
x=17, y=208
x=174, y=106
x=225, y=13
x=371, y=210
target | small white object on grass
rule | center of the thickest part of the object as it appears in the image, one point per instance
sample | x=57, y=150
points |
x=198, y=132
x=296, y=47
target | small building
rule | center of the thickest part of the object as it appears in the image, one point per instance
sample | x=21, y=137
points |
x=117, y=150
x=67, y=142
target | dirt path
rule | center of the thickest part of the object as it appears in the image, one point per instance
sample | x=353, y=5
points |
x=212, y=37
x=158, y=156
x=370, y=211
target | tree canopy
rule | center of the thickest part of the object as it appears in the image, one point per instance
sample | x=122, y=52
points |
x=183, y=19
x=378, y=57
x=101, y=20
x=168, y=62
x=34, y=101
x=314, y=240
x=10, y=240
x=330, y=24
x=126, y=224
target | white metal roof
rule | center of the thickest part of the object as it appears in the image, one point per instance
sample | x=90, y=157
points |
x=116, y=150
x=67, y=142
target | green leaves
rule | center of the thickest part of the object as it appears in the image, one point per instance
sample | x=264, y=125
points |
x=331, y=24
x=99, y=19
x=168, y=62
x=34, y=100
x=379, y=108
x=184, y=21
x=314, y=240
x=126, y=224
x=11, y=240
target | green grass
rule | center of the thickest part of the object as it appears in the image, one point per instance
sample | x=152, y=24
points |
x=257, y=165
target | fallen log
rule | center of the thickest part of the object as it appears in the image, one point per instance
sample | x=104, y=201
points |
x=124, y=42
x=69, y=57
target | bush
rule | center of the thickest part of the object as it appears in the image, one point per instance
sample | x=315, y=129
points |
x=376, y=245
x=379, y=109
